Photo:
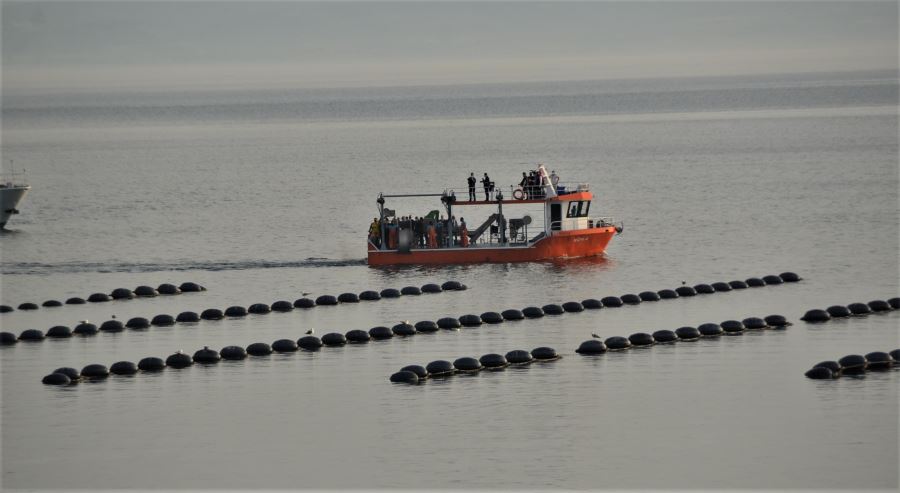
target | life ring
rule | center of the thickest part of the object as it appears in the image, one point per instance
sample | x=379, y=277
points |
x=518, y=194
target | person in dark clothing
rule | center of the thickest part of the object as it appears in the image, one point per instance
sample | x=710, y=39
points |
x=472, y=181
x=486, y=181
x=524, y=185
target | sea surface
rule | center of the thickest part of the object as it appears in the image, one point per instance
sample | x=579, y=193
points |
x=266, y=195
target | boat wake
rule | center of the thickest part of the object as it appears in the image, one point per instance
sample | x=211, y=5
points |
x=29, y=268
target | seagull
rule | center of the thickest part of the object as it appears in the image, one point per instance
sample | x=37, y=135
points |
x=407, y=322
x=683, y=283
x=595, y=336
x=84, y=321
x=310, y=331
x=113, y=316
x=305, y=294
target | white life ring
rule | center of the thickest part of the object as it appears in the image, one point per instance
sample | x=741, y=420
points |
x=518, y=194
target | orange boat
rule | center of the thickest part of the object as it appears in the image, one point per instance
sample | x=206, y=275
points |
x=567, y=230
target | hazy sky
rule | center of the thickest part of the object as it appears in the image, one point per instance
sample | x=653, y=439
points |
x=61, y=45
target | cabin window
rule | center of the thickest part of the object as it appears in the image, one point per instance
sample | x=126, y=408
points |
x=579, y=208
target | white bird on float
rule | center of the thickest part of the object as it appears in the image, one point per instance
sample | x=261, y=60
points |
x=84, y=322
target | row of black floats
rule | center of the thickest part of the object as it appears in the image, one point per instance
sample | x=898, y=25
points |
x=116, y=294
x=854, y=364
x=180, y=359
x=86, y=328
x=687, y=333
x=852, y=310
x=466, y=365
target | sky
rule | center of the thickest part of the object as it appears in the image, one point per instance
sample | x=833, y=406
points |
x=213, y=44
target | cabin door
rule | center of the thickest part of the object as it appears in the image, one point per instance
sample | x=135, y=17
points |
x=556, y=217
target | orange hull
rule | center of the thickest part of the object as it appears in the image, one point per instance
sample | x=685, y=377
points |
x=562, y=244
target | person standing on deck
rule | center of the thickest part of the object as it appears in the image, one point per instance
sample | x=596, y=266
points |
x=486, y=181
x=463, y=233
x=524, y=185
x=472, y=182
x=375, y=233
x=454, y=227
x=554, y=179
x=432, y=236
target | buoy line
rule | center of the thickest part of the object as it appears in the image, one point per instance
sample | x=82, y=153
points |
x=855, y=365
x=686, y=334
x=142, y=291
x=818, y=315
x=412, y=374
x=85, y=328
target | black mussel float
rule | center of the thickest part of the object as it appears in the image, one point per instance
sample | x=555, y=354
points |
x=431, y=288
x=233, y=353
x=162, y=320
x=420, y=371
x=99, y=298
x=721, y=287
x=816, y=315
x=572, y=307
x=284, y=346
x=334, y=339
x=187, y=317
x=519, y=357
x=259, y=349
x=838, y=311
x=553, y=309
x=168, y=289
x=112, y=326
x=151, y=363
x=544, y=354
x=85, y=329
x=449, y=323
x=310, y=343
x=493, y=360
x=591, y=304
x=611, y=302
x=390, y=293
x=207, y=355
x=405, y=377
x=409, y=290
x=212, y=314
x=137, y=323
x=630, y=299
x=51, y=304
x=282, y=306
x=405, y=329
x=426, y=326
x=145, y=291
x=755, y=282
x=667, y=294
x=304, y=303
x=123, y=368
x=648, y=296
x=177, y=360
x=617, y=343
x=31, y=335
x=59, y=332
x=641, y=339
x=439, y=368
x=685, y=291
x=235, y=311
x=491, y=318
x=327, y=300
x=533, y=312
x=191, y=287
x=467, y=364
x=664, y=336
x=348, y=298
x=687, y=333
x=357, y=336
x=380, y=332
x=369, y=296
x=592, y=346
x=259, y=308
x=710, y=329
x=470, y=320
x=96, y=371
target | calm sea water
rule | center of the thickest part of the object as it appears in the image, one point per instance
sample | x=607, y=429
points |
x=264, y=195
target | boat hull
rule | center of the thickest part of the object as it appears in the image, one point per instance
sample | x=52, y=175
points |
x=9, y=201
x=562, y=244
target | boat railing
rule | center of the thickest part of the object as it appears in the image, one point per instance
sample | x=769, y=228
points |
x=12, y=179
x=512, y=193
